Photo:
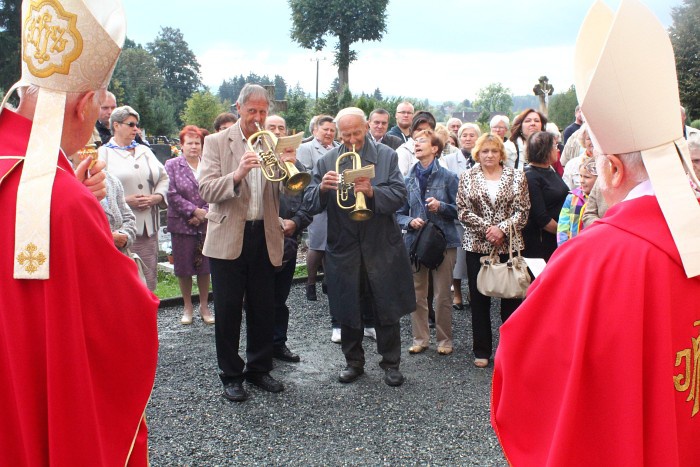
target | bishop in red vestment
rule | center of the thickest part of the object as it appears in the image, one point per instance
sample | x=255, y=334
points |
x=611, y=377
x=78, y=351
x=600, y=366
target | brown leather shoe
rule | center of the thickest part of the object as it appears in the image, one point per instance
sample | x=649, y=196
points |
x=444, y=350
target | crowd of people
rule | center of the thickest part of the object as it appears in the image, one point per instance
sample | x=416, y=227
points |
x=488, y=193
x=597, y=365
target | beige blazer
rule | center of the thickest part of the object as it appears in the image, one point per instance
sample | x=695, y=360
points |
x=228, y=206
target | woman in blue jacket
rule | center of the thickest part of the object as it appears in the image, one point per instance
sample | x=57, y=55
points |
x=432, y=190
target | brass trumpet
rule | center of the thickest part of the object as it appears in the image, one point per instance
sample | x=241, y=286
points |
x=272, y=166
x=359, y=212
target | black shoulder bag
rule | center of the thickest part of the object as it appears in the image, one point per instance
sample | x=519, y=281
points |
x=428, y=248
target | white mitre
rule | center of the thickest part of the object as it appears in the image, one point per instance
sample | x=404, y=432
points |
x=626, y=84
x=67, y=46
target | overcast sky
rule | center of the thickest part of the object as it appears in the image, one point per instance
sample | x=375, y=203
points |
x=439, y=50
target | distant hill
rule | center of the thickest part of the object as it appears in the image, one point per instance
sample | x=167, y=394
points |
x=521, y=103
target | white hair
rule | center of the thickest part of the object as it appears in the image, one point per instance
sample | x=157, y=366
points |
x=634, y=166
x=473, y=126
x=553, y=129
x=694, y=142
x=356, y=111
x=498, y=119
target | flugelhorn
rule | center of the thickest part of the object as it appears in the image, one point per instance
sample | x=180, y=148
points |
x=272, y=166
x=360, y=211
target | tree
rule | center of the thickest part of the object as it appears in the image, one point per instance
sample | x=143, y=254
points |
x=561, y=108
x=164, y=117
x=349, y=21
x=494, y=98
x=136, y=70
x=143, y=107
x=685, y=37
x=201, y=109
x=280, y=88
x=177, y=63
x=129, y=44
x=377, y=94
x=367, y=103
x=345, y=99
x=298, y=111
x=10, y=34
x=328, y=104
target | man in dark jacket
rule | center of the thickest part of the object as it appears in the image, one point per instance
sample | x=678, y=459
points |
x=294, y=219
x=378, y=126
x=107, y=106
x=404, y=117
x=366, y=261
x=571, y=129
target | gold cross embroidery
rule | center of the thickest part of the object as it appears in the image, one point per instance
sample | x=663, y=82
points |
x=30, y=259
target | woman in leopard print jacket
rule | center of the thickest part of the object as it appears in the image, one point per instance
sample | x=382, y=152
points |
x=491, y=198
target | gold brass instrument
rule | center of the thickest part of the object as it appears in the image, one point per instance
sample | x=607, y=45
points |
x=272, y=166
x=359, y=212
x=296, y=181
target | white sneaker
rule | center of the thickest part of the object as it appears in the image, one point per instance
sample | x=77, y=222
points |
x=371, y=333
x=335, y=336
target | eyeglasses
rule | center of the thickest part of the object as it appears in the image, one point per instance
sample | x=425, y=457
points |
x=130, y=124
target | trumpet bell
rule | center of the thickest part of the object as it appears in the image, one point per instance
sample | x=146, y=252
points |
x=360, y=215
x=296, y=181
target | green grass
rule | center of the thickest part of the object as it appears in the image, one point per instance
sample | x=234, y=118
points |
x=300, y=271
x=168, y=286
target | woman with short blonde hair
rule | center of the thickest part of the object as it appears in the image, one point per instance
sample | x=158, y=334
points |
x=492, y=203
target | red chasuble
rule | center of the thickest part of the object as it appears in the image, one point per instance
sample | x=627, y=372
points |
x=601, y=364
x=78, y=352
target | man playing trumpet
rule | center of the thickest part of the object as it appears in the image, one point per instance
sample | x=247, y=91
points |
x=244, y=243
x=367, y=264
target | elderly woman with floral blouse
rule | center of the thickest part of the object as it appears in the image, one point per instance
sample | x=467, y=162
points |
x=492, y=200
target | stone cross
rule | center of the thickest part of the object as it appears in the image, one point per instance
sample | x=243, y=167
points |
x=543, y=90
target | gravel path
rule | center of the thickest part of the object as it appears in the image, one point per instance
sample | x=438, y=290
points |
x=440, y=416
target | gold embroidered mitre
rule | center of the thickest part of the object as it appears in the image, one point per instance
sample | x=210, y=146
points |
x=626, y=84
x=68, y=46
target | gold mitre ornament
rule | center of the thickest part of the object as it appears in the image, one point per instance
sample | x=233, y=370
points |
x=68, y=46
x=626, y=84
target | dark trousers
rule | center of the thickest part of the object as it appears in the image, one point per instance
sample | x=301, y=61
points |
x=253, y=276
x=388, y=336
x=283, y=284
x=481, y=308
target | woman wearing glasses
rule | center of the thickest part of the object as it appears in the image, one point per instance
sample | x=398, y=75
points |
x=145, y=184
